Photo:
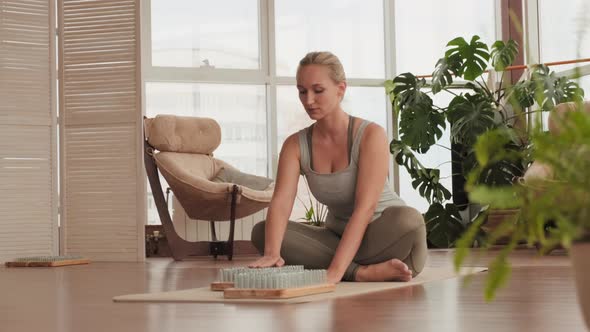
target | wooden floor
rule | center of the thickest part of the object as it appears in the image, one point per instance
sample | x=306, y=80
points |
x=541, y=296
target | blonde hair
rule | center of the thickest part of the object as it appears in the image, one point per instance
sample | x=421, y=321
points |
x=324, y=59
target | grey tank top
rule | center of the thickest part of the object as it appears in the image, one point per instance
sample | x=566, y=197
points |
x=337, y=190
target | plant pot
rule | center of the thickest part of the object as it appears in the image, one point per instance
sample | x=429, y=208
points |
x=580, y=256
x=495, y=218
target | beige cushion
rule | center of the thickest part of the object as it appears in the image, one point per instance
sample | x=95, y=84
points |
x=188, y=166
x=199, y=171
x=202, y=199
x=232, y=175
x=171, y=133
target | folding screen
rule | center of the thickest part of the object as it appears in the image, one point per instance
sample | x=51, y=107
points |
x=103, y=188
x=28, y=163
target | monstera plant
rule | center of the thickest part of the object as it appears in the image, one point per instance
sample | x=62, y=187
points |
x=483, y=100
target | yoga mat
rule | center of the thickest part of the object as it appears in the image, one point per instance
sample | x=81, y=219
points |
x=204, y=294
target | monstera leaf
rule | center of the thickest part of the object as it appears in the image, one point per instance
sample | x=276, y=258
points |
x=405, y=90
x=545, y=92
x=427, y=181
x=483, y=91
x=497, y=156
x=475, y=56
x=389, y=87
x=444, y=71
x=500, y=172
x=523, y=93
x=443, y=225
x=503, y=54
x=568, y=90
x=470, y=116
x=404, y=156
x=421, y=125
x=551, y=90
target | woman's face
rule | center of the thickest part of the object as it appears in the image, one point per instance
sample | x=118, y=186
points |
x=318, y=93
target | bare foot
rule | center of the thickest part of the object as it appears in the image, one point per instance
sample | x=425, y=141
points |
x=391, y=270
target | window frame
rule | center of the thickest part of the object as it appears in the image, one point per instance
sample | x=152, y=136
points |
x=532, y=38
x=527, y=11
x=266, y=75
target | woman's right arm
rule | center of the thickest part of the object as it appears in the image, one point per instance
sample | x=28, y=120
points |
x=281, y=203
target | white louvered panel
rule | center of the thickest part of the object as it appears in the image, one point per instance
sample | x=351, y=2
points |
x=25, y=62
x=100, y=45
x=104, y=198
x=28, y=172
x=27, y=219
x=101, y=191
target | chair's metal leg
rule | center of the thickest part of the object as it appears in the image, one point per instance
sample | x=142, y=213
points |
x=179, y=247
x=234, y=197
x=213, y=236
x=213, y=232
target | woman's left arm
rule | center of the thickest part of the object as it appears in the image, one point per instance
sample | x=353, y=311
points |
x=373, y=167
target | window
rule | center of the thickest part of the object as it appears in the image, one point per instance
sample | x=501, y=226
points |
x=235, y=61
x=239, y=110
x=353, y=30
x=198, y=33
x=423, y=29
x=567, y=40
x=365, y=102
x=564, y=32
x=191, y=41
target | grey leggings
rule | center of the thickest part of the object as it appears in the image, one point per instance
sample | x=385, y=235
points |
x=398, y=233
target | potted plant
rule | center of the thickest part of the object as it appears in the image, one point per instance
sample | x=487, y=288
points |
x=482, y=101
x=314, y=217
x=562, y=196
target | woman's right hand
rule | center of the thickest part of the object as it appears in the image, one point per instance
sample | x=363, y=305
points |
x=268, y=261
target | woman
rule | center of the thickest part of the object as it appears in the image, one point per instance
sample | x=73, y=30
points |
x=370, y=234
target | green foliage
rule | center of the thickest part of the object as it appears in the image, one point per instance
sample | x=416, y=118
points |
x=405, y=89
x=500, y=161
x=523, y=93
x=563, y=199
x=470, y=116
x=444, y=71
x=499, y=272
x=468, y=237
x=498, y=197
x=475, y=56
x=481, y=111
x=317, y=216
x=444, y=225
x=421, y=126
x=426, y=180
x=491, y=146
x=503, y=54
x=550, y=90
x=429, y=186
